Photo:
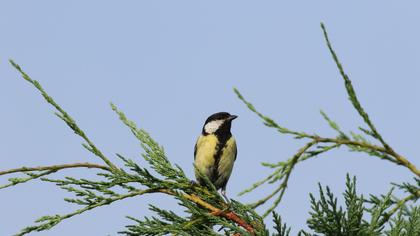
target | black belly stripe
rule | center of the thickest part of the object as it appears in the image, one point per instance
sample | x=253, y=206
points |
x=222, y=137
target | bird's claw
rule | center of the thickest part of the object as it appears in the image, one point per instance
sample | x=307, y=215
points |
x=193, y=182
x=223, y=192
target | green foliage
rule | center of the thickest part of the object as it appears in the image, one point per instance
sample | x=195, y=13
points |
x=205, y=211
x=280, y=227
x=408, y=225
x=202, y=203
x=360, y=217
x=317, y=145
x=330, y=219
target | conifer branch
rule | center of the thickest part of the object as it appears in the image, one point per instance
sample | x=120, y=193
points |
x=51, y=221
x=386, y=154
x=63, y=115
x=356, y=104
x=206, y=207
x=283, y=168
x=398, y=205
x=40, y=171
x=202, y=201
x=283, y=185
x=351, y=92
x=328, y=218
x=55, y=168
x=355, y=142
x=31, y=176
x=142, y=135
x=230, y=215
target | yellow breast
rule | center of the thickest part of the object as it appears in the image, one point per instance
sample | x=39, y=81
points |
x=218, y=171
x=205, y=151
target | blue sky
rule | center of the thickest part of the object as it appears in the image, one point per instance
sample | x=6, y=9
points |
x=170, y=64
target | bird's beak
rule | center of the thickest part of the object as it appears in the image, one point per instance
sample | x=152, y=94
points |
x=232, y=117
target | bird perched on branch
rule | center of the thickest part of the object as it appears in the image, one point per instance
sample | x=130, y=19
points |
x=215, y=150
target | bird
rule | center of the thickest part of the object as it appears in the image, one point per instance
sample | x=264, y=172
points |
x=215, y=151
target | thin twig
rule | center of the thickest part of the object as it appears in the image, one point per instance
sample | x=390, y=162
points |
x=55, y=168
x=16, y=181
x=283, y=185
x=397, y=158
x=398, y=205
x=356, y=104
x=230, y=215
x=350, y=90
x=66, y=118
x=261, y=182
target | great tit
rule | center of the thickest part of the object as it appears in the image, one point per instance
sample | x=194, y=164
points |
x=215, y=151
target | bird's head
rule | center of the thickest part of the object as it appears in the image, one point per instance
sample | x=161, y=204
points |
x=218, y=123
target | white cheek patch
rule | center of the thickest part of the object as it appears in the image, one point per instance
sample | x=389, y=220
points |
x=212, y=126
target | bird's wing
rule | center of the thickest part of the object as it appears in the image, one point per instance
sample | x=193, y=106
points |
x=236, y=151
x=195, y=150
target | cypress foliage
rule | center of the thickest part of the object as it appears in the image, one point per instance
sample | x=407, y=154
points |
x=208, y=213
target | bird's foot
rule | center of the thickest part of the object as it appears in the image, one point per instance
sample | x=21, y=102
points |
x=223, y=192
x=193, y=182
